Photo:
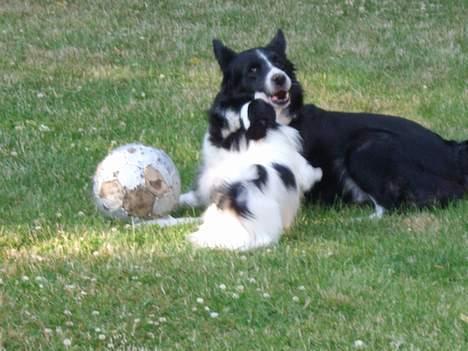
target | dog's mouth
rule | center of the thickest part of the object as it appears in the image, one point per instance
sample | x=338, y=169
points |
x=280, y=98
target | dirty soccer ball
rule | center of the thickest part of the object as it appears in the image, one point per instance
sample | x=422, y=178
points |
x=135, y=180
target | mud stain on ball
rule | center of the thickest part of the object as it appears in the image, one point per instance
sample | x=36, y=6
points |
x=155, y=181
x=138, y=202
x=113, y=193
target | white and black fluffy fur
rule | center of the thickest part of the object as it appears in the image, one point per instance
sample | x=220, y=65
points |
x=253, y=188
x=384, y=160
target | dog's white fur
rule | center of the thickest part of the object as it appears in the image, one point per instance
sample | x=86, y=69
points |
x=273, y=207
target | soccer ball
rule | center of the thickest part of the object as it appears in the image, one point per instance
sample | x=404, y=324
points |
x=136, y=181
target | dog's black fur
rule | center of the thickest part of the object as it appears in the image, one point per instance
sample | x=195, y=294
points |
x=387, y=160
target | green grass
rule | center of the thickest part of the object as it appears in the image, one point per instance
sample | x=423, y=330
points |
x=80, y=77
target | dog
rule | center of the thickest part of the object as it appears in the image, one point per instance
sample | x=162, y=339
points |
x=388, y=161
x=253, y=188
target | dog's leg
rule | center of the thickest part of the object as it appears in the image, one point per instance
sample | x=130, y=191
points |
x=379, y=210
x=189, y=199
x=220, y=230
x=307, y=175
x=167, y=221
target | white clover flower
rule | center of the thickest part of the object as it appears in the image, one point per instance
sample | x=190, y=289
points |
x=40, y=95
x=252, y=280
x=359, y=344
x=301, y=287
x=295, y=299
x=194, y=309
x=67, y=342
x=69, y=323
x=214, y=314
x=206, y=308
x=240, y=288
x=97, y=330
x=162, y=319
x=67, y=313
x=266, y=295
x=44, y=128
x=47, y=331
x=101, y=337
x=95, y=313
x=25, y=278
x=235, y=296
x=200, y=300
x=222, y=286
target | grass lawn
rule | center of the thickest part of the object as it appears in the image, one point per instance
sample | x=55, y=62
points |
x=79, y=77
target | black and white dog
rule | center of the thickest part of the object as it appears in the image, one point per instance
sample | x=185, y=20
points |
x=253, y=185
x=385, y=160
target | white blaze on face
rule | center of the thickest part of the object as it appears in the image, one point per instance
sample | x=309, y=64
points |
x=269, y=85
x=282, y=114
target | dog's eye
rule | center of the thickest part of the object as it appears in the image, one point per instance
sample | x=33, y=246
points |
x=253, y=69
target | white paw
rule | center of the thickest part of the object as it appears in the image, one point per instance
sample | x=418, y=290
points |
x=311, y=176
x=203, y=239
x=216, y=240
x=189, y=199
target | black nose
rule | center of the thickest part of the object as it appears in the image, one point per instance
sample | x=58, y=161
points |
x=279, y=79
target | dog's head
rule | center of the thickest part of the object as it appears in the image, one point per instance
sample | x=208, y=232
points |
x=263, y=73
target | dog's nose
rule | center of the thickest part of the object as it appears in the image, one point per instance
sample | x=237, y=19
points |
x=279, y=79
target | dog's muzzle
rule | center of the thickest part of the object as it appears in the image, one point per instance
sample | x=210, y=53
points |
x=277, y=87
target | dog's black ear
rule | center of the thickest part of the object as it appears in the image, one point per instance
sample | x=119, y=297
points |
x=278, y=43
x=223, y=54
x=262, y=118
x=259, y=109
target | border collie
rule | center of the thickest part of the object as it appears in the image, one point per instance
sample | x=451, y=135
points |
x=254, y=188
x=384, y=160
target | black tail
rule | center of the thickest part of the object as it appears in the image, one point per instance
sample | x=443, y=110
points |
x=233, y=196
